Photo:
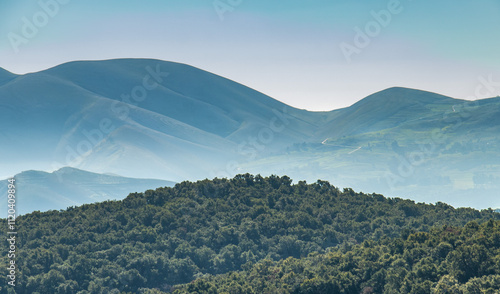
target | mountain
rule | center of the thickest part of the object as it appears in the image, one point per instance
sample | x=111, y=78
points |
x=147, y=118
x=404, y=142
x=37, y=190
x=89, y=113
x=384, y=110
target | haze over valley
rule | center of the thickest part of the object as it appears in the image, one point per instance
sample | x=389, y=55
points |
x=155, y=119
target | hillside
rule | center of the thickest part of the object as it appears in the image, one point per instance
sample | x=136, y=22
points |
x=115, y=115
x=146, y=118
x=385, y=110
x=6, y=76
x=446, y=260
x=37, y=190
x=170, y=236
x=404, y=143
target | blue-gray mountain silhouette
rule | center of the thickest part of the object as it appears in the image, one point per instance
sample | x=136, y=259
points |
x=156, y=119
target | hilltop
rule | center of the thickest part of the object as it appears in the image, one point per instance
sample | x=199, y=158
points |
x=169, y=236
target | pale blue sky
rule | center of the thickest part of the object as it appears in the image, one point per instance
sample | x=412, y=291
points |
x=289, y=50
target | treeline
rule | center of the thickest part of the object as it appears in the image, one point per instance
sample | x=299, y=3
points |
x=171, y=236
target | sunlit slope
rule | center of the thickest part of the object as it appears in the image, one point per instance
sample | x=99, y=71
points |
x=404, y=142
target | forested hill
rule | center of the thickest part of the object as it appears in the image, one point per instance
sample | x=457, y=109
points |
x=170, y=236
x=445, y=261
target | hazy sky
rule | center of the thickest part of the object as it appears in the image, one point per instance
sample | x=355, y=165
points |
x=317, y=55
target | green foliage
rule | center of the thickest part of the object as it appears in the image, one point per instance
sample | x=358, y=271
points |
x=470, y=266
x=252, y=234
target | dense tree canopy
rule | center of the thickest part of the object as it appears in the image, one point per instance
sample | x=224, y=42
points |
x=446, y=260
x=254, y=233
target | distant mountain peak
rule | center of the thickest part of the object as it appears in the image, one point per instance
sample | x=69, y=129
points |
x=68, y=170
x=62, y=170
x=401, y=95
x=401, y=89
x=67, y=186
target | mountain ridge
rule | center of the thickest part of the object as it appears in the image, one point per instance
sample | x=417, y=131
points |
x=61, y=69
x=6, y=76
x=157, y=119
x=67, y=186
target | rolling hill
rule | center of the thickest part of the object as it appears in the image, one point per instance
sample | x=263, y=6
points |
x=86, y=112
x=147, y=118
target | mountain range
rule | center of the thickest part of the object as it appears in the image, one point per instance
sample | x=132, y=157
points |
x=148, y=118
x=42, y=191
